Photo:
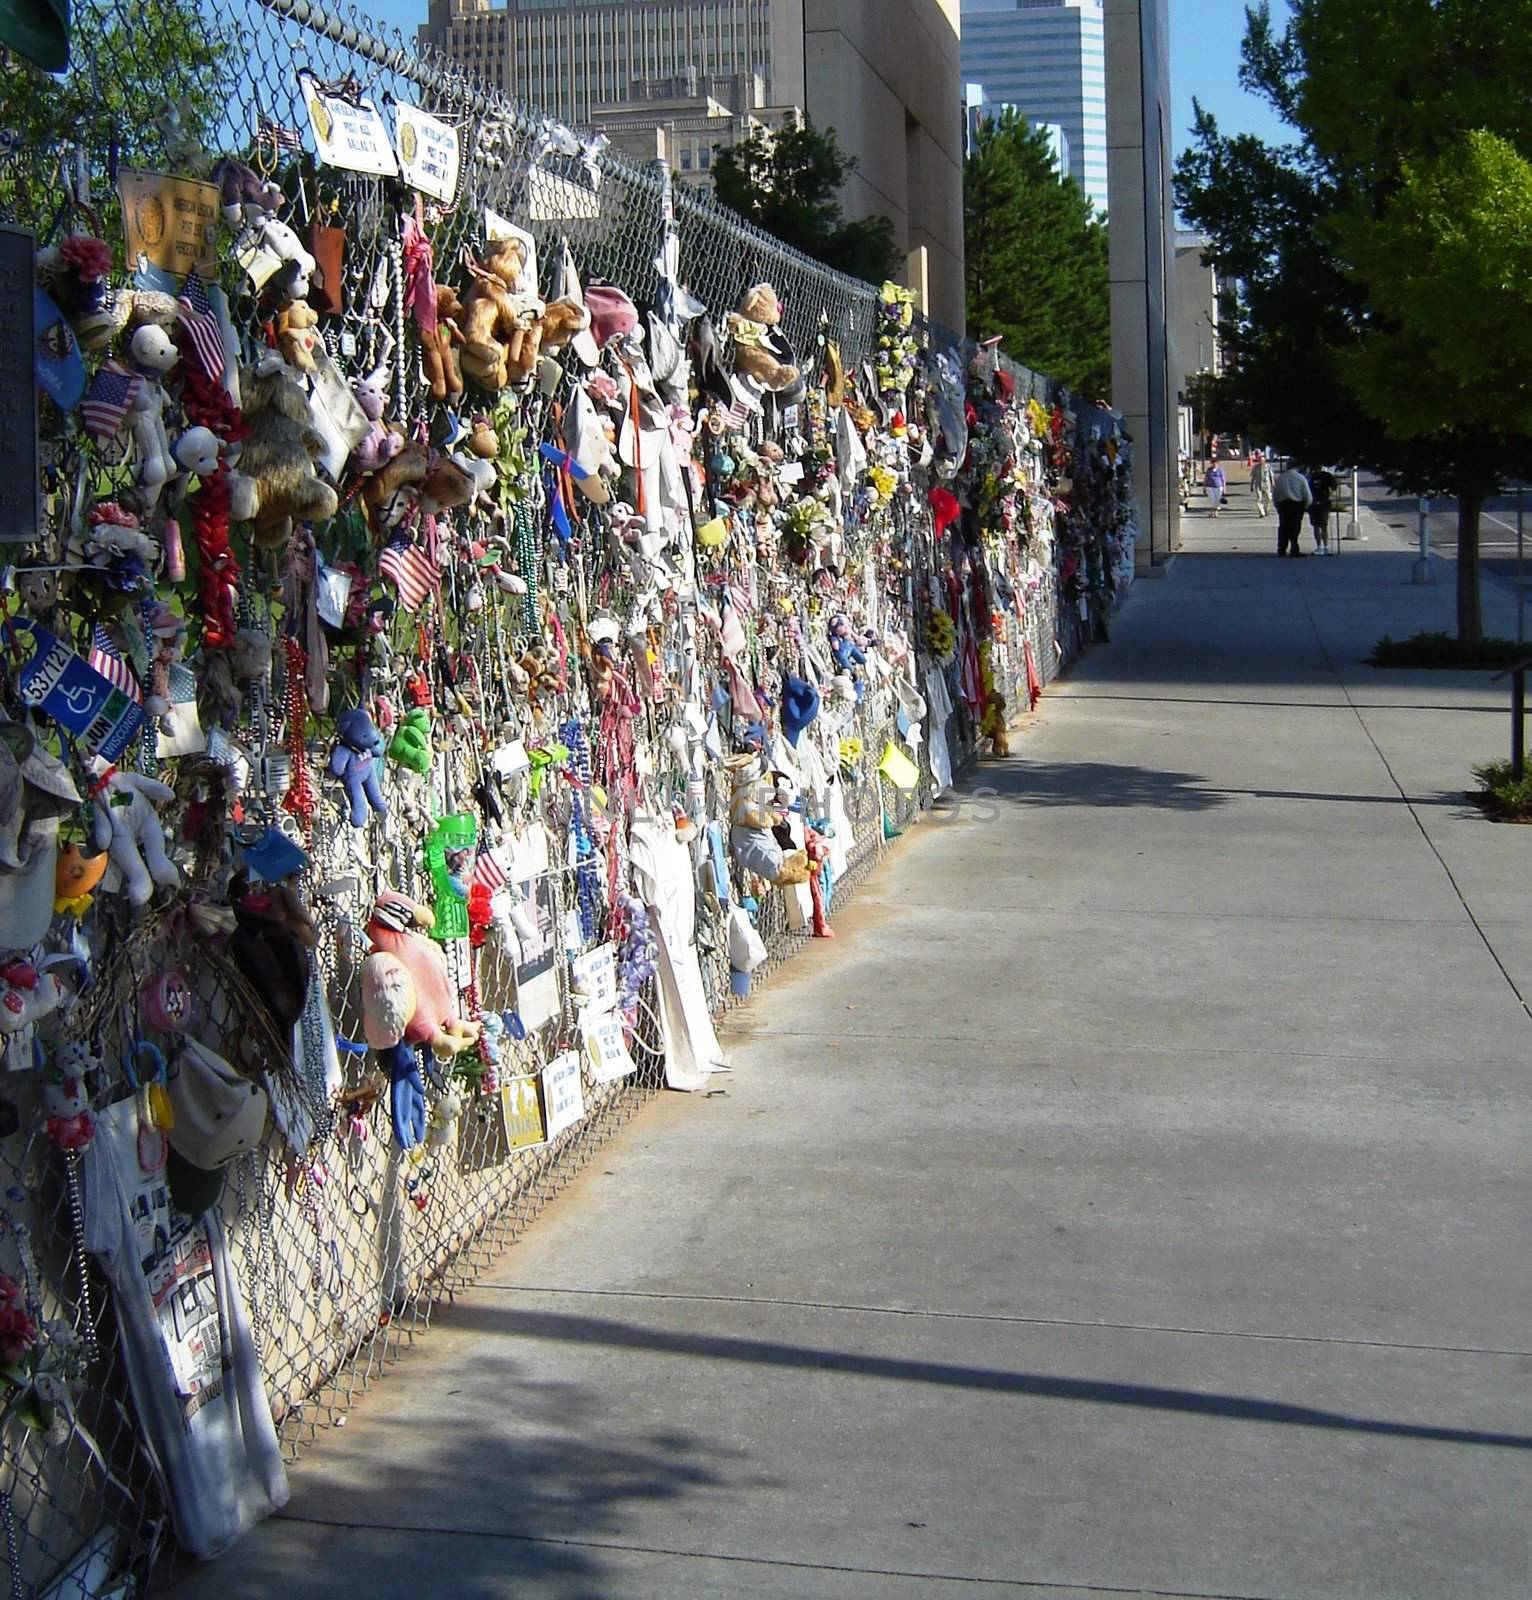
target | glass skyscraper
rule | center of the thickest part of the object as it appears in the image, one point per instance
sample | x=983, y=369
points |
x=1048, y=59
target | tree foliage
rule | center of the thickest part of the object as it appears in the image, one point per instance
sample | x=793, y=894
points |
x=1386, y=305
x=1037, y=258
x=127, y=64
x=789, y=183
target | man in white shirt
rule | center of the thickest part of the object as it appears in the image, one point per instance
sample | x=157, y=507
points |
x=1293, y=497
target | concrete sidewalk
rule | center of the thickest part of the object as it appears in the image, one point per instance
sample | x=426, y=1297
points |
x=1133, y=1199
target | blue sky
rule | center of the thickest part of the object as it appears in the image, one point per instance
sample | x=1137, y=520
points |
x=1205, y=38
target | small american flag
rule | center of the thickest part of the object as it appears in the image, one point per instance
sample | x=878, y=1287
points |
x=111, y=392
x=487, y=871
x=280, y=136
x=105, y=657
x=195, y=309
x=411, y=571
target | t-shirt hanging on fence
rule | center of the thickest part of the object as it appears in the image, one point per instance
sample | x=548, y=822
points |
x=186, y=1341
x=662, y=874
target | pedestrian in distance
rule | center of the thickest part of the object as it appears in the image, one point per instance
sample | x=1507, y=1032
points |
x=1260, y=484
x=1323, y=483
x=1293, y=496
x=1214, y=482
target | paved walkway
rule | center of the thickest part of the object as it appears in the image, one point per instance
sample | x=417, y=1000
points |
x=1132, y=1200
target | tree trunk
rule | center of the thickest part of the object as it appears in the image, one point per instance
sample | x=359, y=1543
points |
x=1470, y=611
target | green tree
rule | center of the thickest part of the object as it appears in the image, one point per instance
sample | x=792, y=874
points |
x=789, y=183
x=1037, y=258
x=128, y=63
x=1386, y=316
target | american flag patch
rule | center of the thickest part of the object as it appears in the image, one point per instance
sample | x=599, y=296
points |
x=411, y=571
x=487, y=871
x=105, y=657
x=195, y=309
x=278, y=134
x=111, y=392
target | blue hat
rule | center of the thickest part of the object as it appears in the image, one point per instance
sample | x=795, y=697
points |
x=800, y=705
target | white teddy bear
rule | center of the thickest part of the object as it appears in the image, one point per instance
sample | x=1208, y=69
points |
x=128, y=826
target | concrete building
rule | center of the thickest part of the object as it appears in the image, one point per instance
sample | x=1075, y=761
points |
x=1047, y=58
x=686, y=124
x=1196, y=341
x=885, y=74
x=1145, y=381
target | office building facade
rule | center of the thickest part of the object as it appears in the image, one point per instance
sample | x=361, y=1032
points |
x=1048, y=59
x=674, y=79
x=1142, y=265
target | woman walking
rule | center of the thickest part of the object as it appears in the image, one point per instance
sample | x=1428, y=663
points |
x=1214, y=482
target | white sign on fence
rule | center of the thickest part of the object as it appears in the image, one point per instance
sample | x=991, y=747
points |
x=563, y=1095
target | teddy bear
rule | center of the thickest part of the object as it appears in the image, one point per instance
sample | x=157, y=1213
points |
x=129, y=828
x=391, y=492
x=499, y=325
x=297, y=337
x=278, y=455
x=438, y=348
x=358, y=744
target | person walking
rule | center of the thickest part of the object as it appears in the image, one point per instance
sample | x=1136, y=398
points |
x=1215, y=483
x=1293, y=496
x=1323, y=483
x=1260, y=484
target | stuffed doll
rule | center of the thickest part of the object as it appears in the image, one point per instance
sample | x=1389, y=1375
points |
x=294, y=277
x=560, y=322
x=357, y=746
x=398, y=929
x=129, y=829
x=408, y=1000
x=411, y=743
x=71, y=1124
x=154, y=354
x=270, y=944
x=26, y=995
x=499, y=325
x=438, y=347
x=752, y=816
x=278, y=455
x=391, y=492
x=246, y=197
x=382, y=444
x=297, y=335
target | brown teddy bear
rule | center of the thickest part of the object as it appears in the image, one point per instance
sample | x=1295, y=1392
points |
x=297, y=337
x=438, y=349
x=391, y=492
x=278, y=454
x=500, y=326
x=561, y=321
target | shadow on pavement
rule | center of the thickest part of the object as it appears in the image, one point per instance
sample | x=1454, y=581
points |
x=566, y=1328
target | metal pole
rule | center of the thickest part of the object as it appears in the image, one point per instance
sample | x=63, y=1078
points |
x=1354, y=527
x=1521, y=577
x=1518, y=723
x=1421, y=572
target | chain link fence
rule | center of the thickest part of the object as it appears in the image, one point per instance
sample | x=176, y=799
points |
x=345, y=1249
